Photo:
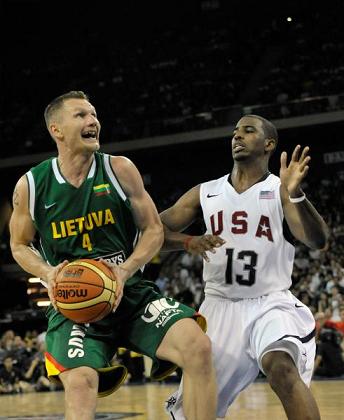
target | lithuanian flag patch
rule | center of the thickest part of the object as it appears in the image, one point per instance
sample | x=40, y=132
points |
x=102, y=189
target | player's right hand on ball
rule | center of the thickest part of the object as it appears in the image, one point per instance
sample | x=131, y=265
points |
x=199, y=245
x=51, y=281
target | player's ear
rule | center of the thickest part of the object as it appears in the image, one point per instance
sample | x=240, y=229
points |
x=270, y=144
x=55, y=131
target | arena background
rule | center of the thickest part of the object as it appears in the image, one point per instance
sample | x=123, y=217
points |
x=169, y=80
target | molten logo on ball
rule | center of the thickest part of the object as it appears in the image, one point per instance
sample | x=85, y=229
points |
x=76, y=272
x=66, y=294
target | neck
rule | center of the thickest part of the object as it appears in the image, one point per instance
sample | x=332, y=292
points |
x=244, y=175
x=75, y=168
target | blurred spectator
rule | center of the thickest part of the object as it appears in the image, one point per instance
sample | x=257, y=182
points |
x=323, y=301
x=336, y=299
x=329, y=360
x=10, y=377
x=162, y=280
x=338, y=325
x=35, y=373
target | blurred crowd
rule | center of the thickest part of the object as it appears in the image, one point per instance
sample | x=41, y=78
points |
x=186, y=77
x=22, y=363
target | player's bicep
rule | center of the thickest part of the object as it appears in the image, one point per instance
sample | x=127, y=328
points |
x=144, y=210
x=184, y=212
x=22, y=230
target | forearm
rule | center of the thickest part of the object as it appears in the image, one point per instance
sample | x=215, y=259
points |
x=30, y=261
x=147, y=247
x=315, y=230
x=174, y=241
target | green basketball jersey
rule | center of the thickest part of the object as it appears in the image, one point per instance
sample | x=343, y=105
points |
x=92, y=221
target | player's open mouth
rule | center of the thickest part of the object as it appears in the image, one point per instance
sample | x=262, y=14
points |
x=91, y=135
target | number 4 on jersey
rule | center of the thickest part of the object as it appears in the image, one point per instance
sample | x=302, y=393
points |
x=86, y=242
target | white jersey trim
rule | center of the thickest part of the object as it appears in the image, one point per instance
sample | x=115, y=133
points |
x=56, y=171
x=113, y=178
x=32, y=194
x=59, y=176
x=92, y=169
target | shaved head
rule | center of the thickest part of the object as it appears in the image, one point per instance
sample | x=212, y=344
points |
x=57, y=103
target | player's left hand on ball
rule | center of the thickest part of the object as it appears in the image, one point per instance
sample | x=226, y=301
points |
x=120, y=275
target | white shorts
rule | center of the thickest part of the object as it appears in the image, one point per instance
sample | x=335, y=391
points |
x=243, y=331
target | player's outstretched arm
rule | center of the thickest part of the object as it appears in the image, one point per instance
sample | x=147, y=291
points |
x=145, y=214
x=181, y=215
x=304, y=221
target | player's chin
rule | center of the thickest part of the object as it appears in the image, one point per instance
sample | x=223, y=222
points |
x=93, y=145
x=239, y=156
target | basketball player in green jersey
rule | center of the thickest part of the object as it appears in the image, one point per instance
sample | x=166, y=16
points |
x=86, y=204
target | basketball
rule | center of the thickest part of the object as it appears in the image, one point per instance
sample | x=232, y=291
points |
x=85, y=291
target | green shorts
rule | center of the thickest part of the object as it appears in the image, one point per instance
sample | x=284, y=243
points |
x=139, y=324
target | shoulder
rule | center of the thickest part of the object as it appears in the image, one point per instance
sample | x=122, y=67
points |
x=217, y=183
x=41, y=169
x=43, y=165
x=121, y=164
x=272, y=180
x=127, y=174
x=22, y=183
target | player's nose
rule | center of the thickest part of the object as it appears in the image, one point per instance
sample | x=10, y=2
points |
x=237, y=136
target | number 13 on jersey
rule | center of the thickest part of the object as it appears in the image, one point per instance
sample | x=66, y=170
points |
x=248, y=277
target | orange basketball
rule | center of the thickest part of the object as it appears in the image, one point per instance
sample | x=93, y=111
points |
x=85, y=291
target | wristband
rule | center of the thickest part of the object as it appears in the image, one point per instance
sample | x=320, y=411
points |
x=187, y=241
x=297, y=199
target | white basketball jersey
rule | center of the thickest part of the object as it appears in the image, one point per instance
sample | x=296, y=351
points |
x=256, y=258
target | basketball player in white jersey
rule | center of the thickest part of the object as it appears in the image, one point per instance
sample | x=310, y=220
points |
x=254, y=321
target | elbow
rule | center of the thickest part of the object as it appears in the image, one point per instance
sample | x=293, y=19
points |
x=160, y=234
x=156, y=231
x=321, y=243
x=14, y=250
x=320, y=246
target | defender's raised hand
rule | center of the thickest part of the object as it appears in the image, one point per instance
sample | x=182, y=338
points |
x=292, y=175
